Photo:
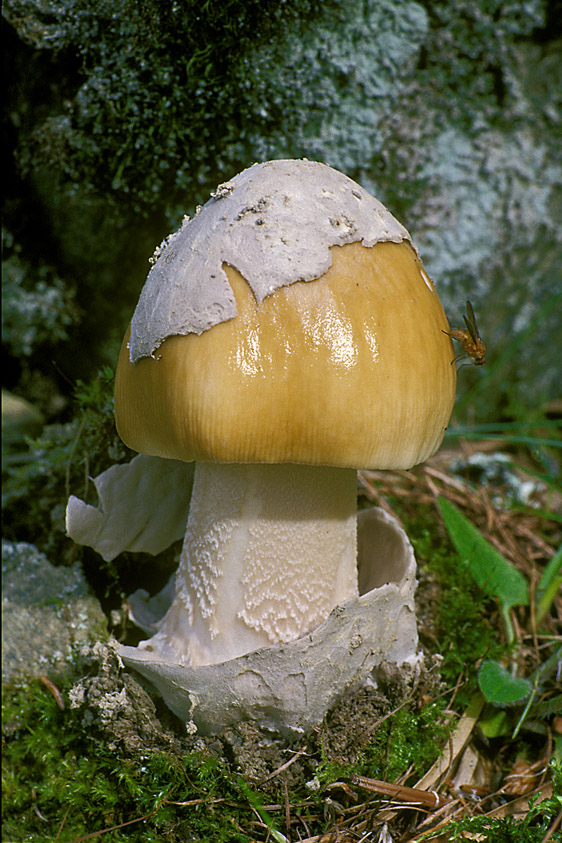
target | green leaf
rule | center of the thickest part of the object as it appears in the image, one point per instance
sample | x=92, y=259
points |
x=548, y=708
x=549, y=585
x=494, y=723
x=500, y=687
x=491, y=572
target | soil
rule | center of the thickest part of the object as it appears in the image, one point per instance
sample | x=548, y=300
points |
x=131, y=719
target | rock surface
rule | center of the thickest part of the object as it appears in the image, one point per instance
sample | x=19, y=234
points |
x=19, y=419
x=46, y=610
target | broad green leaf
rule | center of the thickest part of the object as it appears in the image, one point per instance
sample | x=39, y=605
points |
x=492, y=573
x=500, y=687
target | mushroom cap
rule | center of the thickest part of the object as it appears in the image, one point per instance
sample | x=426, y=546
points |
x=338, y=357
x=275, y=222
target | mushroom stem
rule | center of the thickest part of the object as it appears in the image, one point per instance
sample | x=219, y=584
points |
x=269, y=551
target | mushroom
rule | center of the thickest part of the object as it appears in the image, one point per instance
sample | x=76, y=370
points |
x=286, y=336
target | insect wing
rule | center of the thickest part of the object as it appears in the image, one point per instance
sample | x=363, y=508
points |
x=470, y=329
x=470, y=322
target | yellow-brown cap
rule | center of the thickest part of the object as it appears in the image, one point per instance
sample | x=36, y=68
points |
x=351, y=369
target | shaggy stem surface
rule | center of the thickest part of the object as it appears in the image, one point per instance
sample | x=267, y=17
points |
x=269, y=551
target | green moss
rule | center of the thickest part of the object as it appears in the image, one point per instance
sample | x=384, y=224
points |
x=158, y=88
x=55, y=767
x=99, y=441
x=465, y=632
x=462, y=613
x=409, y=741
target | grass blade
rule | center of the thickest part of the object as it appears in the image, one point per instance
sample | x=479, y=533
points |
x=549, y=585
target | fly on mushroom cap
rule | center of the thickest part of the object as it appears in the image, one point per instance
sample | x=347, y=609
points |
x=286, y=336
x=235, y=356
